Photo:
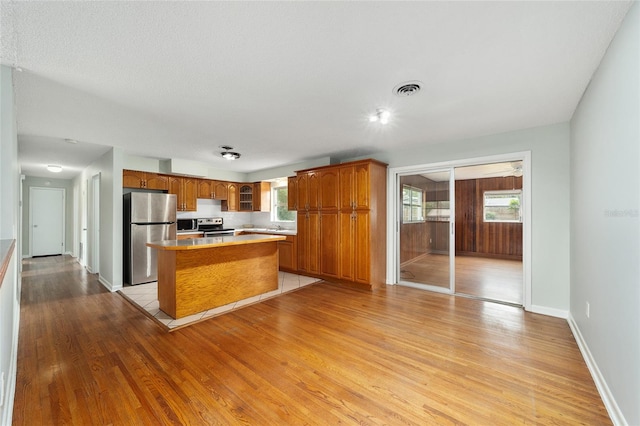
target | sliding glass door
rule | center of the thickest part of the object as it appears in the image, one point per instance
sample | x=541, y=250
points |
x=425, y=234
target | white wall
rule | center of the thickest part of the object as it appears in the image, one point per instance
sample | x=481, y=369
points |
x=109, y=166
x=549, y=148
x=605, y=221
x=9, y=225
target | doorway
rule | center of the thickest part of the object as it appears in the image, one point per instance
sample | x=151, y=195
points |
x=46, y=221
x=462, y=228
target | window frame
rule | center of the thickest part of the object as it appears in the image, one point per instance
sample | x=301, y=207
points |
x=501, y=192
x=411, y=205
x=275, y=205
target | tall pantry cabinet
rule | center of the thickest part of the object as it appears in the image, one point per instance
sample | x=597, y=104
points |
x=342, y=222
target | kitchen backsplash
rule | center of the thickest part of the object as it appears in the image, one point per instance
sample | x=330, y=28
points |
x=213, y=208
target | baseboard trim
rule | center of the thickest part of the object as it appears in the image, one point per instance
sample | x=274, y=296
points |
x=601, y=384
x=12, y=376
x=552, y=312
x=109, y=286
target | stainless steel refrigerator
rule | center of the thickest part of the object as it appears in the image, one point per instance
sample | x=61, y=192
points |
x=147, y=217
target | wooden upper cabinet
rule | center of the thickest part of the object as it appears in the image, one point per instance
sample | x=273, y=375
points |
x=212, y=189
x=220, y=190
x=190, y=197
x=313, y=191
x=232, y=203
x=186, y=190
x=355, y=186
x=303, y=191
x=205, y=188
x=156, y=181
x=347, y=188
x=147, y=180
x=308, y=191
x=328, y=191
x=133, y=179
x=261, y=197
x=246, y=198
x=362, y=189
x=292, y=193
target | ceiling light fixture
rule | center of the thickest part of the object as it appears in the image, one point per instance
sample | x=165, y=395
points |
x=381, y=115
x=228, y=154
x=54, y=168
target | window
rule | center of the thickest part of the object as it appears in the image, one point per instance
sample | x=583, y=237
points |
x=280, y=212
x=502, y=206
x=437, y=211
x=411, y=204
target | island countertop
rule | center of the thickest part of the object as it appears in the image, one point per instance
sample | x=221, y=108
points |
x=211, y=242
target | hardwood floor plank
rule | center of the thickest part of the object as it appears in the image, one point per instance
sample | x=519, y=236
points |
x=324, y=354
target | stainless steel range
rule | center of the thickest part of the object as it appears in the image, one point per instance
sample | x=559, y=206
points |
x=213, y=227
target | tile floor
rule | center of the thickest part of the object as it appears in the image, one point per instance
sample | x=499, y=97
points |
x=146, y=297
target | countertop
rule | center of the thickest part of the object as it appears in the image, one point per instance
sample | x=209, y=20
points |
x=269, y=231
x=211, y=242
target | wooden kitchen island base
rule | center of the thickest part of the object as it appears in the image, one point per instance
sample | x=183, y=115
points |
x=201, y=274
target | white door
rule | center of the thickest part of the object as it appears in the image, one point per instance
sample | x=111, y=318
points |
x=46, y=219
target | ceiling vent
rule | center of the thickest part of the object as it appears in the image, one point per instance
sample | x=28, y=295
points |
x=408, y=88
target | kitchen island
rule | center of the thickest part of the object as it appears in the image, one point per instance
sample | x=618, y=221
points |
x=199, y=274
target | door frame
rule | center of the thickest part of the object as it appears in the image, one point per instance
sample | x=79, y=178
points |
x=62, y=225
x=94, y=225
x=395, y=216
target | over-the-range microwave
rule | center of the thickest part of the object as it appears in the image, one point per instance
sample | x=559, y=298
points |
x=187, y=224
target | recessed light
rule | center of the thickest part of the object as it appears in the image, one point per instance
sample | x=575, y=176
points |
x=53, y=168
x=381, y=115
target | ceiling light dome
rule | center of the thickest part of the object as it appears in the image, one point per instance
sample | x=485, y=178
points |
x=54, y=168
x=227, y=154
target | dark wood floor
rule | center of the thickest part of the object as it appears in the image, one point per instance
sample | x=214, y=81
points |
x=321, y=355
x=487, y=278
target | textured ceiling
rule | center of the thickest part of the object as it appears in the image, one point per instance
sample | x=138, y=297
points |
x=285, y=82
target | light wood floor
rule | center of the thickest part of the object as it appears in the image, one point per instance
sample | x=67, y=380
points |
x=494, y=279
x=323, y=354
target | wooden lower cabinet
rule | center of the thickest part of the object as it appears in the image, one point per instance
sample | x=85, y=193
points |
x=189, y=236
x=329, y=244
x=362, y=248
x=309, y=242
x=288, y=254
x=355, y=254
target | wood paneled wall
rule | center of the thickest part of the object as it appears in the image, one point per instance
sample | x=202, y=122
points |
x=474, y=237
x=414, y=238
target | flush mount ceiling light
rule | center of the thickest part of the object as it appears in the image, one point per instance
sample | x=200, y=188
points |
x=408, y=88
x=54, y=168
x=382, y=116
x=227, y=154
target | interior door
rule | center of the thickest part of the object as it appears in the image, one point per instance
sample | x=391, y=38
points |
x=426, y=230
x=46, y=212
